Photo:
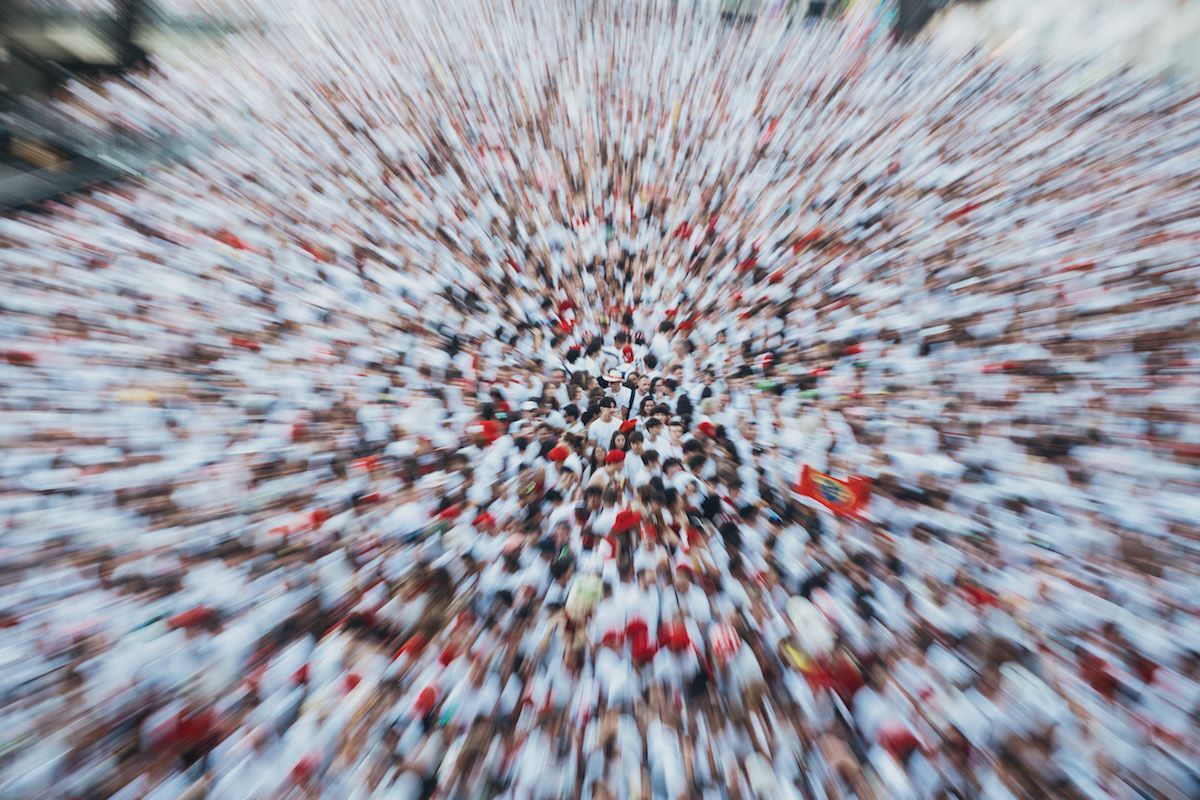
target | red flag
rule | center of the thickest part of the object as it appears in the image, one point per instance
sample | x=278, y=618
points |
x=845, y=498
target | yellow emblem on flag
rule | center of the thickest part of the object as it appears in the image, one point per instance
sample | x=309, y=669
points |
x=833, y=490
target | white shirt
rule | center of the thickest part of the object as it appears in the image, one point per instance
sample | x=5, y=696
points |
x=601, y=432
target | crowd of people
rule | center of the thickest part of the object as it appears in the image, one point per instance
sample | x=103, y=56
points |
x=435, y=430
x=238, y=12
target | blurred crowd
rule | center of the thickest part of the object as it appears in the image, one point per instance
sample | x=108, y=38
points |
x=196, y=11
x=435, y=431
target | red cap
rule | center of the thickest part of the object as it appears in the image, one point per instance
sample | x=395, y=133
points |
x=558, y=453
x=368, y=462
x=674, y=636
x=615, y=457
x=1187, y=450
x=425, y=701
x=304, y=769
x=244, y=343
x=191, y=618
x=413, y=647
x=898, y=741
x=725, y=642
x=19, y=358
x=628, y=425
x=626, y=521
x=490, y=430
x=451, y=513
x=707, y=428
x=807, y=239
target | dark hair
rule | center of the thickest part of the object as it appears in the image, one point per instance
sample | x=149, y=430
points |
x=561, y=566
x=684, y=406
x=650, y=360
x=608, y=402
